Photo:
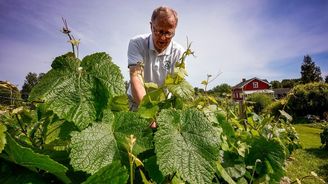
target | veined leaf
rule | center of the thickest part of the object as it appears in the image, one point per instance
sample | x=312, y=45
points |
x=96, y=146
x=153, y=169
x=183, y=90
x=28, y=158
x=272, y=156
x=57, y=136
x=79, y=91
x=151, y=85
x=113, y=173
x=120, y=103
x=286, y=115
x=224, y=174
x=3, y=141
x=187, y=144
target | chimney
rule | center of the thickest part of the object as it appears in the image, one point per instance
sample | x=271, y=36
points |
x=243, y=79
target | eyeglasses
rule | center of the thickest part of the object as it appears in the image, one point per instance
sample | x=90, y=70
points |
x=162, y=33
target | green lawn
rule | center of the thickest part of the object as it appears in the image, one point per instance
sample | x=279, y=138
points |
x=310, y=158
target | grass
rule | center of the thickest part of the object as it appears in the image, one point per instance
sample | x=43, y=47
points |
x=310, y=158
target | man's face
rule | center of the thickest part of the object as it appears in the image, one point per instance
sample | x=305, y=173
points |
x=163, y=30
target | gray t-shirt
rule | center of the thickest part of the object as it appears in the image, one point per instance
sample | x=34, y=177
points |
x=156, y=65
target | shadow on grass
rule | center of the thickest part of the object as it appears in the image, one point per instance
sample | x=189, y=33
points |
x=322, y=154
x=318, y=152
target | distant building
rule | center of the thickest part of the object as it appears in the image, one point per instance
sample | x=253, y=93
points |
x=253, y=85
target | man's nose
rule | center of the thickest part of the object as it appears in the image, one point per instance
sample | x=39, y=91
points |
x=162, y=37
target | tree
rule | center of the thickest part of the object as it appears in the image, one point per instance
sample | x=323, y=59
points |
x=326, y=79
x=31, y=80
x=289, y=83
x=275, y=84
x=221, y=89
x=309, y=71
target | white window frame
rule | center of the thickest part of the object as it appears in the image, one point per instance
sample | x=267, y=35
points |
x=255, y=85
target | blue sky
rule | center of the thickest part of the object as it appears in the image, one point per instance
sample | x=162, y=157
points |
x=238, y=39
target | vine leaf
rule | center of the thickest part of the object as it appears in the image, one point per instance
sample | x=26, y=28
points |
x=2, y=137
x=272, y=156
x=98, y=145
x=187, y=144
x=183, y=90
x=79, y=91
x=113, y=173
x=28, y=158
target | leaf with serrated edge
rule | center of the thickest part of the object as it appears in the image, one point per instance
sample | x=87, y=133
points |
x=79, y=91
x=272, y=156
x=113, y=173
x=183, y=90
x=187, y=144
x=2, y=137
x=28, y=158
x=96, y=146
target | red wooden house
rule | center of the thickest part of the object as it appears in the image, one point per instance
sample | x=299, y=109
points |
x=253, y=85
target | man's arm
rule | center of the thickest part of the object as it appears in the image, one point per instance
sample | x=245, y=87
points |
x=137, y=85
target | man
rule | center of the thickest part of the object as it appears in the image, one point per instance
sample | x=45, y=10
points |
x=156, y=51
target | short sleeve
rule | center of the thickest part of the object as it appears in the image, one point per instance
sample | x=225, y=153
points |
x=134, y=52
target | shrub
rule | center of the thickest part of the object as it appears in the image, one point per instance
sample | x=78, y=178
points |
x=274, y=107
x=260, y=101
x=324, y=138
x=311, y=98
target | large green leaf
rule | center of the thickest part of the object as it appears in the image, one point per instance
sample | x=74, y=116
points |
x=183, y=90
x=28, y=158
x=271, y=155
x=187, y=144
x=153, y=169
x=2, y=137
x=79, y=91
x=113, y=173
x=97, y=146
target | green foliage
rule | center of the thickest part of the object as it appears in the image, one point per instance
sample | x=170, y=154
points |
x=289, y=83
x=83, y=133
x=260, y=101
x=97, y=146
x=31, y=80
x=324, y=137
x=113, y=173
x=269, y=157
x=311, y=98
x=221, y=90
x=309, y=71
x=2, y=137
x=28, y=158
x=185, y=142
x=79, y=91
x=275, y=107
x=275, y=84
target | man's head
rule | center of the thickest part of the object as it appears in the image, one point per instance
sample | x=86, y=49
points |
x=163, y=23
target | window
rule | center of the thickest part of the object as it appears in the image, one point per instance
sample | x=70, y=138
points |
x=255, y=84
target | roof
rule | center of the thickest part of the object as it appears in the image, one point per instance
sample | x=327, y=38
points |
x=242, y=84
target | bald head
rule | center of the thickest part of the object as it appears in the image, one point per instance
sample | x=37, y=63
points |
x=165, y=13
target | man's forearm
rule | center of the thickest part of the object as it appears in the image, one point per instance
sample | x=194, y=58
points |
x=137, y=86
